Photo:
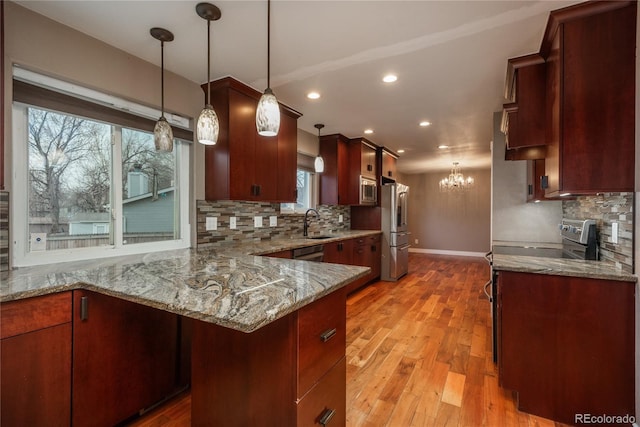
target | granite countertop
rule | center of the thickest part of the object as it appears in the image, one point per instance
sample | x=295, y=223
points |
x=561, y=267
x=229, y=286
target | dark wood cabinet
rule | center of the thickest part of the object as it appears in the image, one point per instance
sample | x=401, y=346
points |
x=244, y=165
x=125, y=358
x=536, y=181
x=362, y=156
x=590, y=87
x=335, y=180
x=289, y=372
x=35, y=374
x=288, y=254
x=366, y=253
x=566, y=344
x=339, y=252
x=526, y=78
x=388, y=164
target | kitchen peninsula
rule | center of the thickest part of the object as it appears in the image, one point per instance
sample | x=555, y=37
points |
x=268, y=341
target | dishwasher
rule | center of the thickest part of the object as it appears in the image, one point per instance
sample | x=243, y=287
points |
x=309, y=253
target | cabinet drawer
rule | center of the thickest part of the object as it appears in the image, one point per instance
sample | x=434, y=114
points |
x=326, y=401
x=31, y=314
x=321, y=338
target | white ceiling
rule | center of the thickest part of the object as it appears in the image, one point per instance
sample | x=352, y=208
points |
x=450, y=58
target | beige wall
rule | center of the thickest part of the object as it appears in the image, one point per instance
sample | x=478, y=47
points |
x=513, y=219
x=449, y=222
x=43, y=45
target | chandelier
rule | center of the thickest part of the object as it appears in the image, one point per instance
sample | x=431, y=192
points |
x=456, y=181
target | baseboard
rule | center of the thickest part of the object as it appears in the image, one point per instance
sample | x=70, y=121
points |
x=444, y=252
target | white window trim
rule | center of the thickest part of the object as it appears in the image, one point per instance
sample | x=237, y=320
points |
x=22, y=257
x=314, y=196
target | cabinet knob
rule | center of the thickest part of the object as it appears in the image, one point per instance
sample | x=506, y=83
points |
x=328, y=334
x=369, y=168
x=373, y=248
x=326, y=417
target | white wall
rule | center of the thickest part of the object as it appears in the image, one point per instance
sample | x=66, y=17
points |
x=512, y=218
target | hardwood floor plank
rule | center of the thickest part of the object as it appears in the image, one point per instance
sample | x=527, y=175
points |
x=419, y=354
x=453, y=389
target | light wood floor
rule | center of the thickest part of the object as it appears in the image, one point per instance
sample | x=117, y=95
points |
x=418, y=354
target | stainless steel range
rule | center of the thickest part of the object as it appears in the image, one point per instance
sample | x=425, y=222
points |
x=579, y=241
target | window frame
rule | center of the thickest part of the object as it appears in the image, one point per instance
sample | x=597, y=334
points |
x=313, y=196
x=21, y=254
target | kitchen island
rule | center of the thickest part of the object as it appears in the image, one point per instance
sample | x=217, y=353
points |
x=565, y=336
x=252, y=316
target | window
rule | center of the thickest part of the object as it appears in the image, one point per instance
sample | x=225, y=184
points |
x=93, y=188
x=306, y=193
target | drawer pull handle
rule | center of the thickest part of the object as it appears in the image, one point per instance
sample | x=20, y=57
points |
x=327, y=335
x=326, y=417
x=84, y=308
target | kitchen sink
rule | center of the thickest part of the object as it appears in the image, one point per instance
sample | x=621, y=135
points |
x=319, y=237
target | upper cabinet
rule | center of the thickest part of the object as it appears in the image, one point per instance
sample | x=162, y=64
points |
x=387, y=163
x=590, y=87
x=362, y=155
x=244, y=165
x=525, y=117
x=334, y=181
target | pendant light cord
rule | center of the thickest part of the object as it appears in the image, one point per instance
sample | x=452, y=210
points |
x=162, y=78
x=208, y=62
x=269, y=44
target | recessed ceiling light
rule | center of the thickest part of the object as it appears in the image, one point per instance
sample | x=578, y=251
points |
x=425, y=124
x=313, y=95
x=390, y=78
x=443, y=147
x=368, y=131
x=400, y=151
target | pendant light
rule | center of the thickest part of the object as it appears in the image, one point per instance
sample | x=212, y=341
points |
x=208, y=125
x=268, y=111
x=162, y=133
x=318, y=164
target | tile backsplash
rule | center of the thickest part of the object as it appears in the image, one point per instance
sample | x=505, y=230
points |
x=606, y=209
x=4, y=231
x=288, y=224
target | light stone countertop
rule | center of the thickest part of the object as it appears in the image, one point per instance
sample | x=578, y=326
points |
x=561, y=267
x=228, y=286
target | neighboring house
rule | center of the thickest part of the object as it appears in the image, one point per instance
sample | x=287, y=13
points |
x=143, y=214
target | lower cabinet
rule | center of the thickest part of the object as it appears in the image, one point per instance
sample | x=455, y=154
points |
x=124, y=358
x=289, y=372
x=338, y=252
x=35, y=374
x=82, y=358
x=366, y=252
x=566, y=344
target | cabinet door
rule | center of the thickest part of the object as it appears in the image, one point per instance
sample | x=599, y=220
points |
x=530, y=98
x=388, y=165
x=595, y=121
x=242, y=148
x=36, y=378
x=287, y=159
x=368, y=161
x=266, y=168
x=338, y=252
x=124, y=358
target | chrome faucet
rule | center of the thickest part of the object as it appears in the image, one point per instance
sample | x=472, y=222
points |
x=305, y=227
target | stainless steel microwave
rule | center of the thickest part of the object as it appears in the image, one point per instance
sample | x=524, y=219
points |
x=368, y=191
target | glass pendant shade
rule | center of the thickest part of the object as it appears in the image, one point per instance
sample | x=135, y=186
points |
x=163, y=135
x=318, y=165
x=208, y=126
x=268, y=114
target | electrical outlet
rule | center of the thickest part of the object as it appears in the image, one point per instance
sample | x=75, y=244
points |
x=341, y=218
x=232, y=223
x=212, y=223
x=614, y=232
x=273, y=221
x=257, y=221
x=415, y=241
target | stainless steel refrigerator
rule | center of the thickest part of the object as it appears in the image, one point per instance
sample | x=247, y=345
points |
x=395, y=234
